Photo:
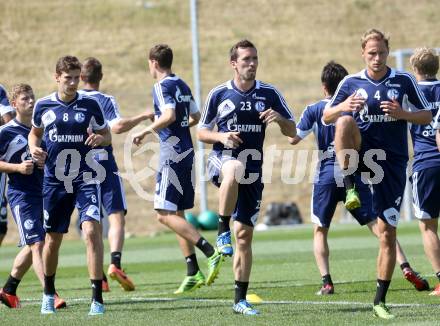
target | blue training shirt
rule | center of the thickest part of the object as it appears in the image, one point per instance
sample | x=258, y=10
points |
x=14, y=149
x=175, y=140
x=232, y=110
x=426, y=154
x=111, y=113
x=380, y=131
x=311, y=121
x=65, y=131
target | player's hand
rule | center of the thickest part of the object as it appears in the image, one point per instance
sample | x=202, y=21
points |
x=38, y=156
x=269, y=116
x=149, y=114
x=26, y=167
x=137, y=138
x=353, y=103
x=392, y=109
x=231, y=139
x=94, y=140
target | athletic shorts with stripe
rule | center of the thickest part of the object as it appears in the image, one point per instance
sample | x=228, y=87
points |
x=175, y=188
x=426, y=190
x=27, y=210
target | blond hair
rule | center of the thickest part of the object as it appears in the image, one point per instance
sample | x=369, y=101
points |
x=18, y=89
x=374, y=34
x=425, y=62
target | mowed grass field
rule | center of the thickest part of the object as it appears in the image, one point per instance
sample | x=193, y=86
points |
x=284, y=276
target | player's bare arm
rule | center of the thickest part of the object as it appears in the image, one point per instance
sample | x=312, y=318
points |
x=34, y=143
x=393, y=109
x=287, y=127
x=167, y=118
x=97, y=138
x=126, y=124
x=25, y=167
x=294, y=140
x=352, y=103
x=228, y=139
x=194, y=118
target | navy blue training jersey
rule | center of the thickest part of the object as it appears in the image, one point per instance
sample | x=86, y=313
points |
x=65, y=131
x=175, y=140
x=426, y=154
x=311, y=121
x=14, y=149
x=380, y=131
x=111, y=113
x=5, y=107
x=232, y=110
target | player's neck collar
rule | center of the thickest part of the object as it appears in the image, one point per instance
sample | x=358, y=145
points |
x=57, y=99
x=389, y=74
x=231, y=85
x=22, y=124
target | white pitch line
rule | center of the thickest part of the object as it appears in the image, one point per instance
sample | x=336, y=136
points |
x=276, y=302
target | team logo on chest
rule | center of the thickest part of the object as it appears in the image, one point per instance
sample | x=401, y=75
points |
x=260, y=106
x=79, y=117
x=225, y=108
x=393, y=94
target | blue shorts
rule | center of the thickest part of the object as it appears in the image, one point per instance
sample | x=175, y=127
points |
x=248, y=203
x=112, y=188
x=175, y=188
x=388, y=192
x=58, y=205
x=325, y=198
x=27, y=210
x=426, y=190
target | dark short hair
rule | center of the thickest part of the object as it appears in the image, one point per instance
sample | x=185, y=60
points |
x=163, y=54
x=243, y=44
x=67, y=63
x=91, y=71
x=331, y=76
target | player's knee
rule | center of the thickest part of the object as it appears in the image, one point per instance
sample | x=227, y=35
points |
x=162, y=217
x=345, y=122
x=388, y=237
x=232, y=171
x=243, y=237
x=90, y=231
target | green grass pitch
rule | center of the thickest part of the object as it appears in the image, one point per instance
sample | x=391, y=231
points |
x=284, y=276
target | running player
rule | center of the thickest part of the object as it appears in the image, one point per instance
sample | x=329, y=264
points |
x=6, y=114
x=426, y=164
x=326, y=193
x=72, y=124
x=176, y=112
x=112, y=189
x=241, y=109
x=371, y=110
x=24, y=195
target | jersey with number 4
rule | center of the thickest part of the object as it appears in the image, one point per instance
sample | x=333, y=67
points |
x=233, y=110
x=66, y=127
x=381, y=131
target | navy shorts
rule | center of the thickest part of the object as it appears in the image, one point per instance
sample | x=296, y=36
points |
x=58, y=205
x=27, y=210
x=325, y=198
x=250, y=193
x=388, y=186
x=175, y=188
x=426, y=190
x=112, y=188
